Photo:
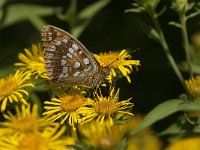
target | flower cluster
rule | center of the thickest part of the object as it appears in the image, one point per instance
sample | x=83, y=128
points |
x=27, y=130
x=78, y=109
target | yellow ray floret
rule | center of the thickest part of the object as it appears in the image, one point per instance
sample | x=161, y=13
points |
x=13, y=88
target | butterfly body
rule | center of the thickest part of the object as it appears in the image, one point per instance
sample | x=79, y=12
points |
x=68, y=62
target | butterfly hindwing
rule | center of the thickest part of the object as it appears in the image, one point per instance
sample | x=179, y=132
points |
x=66, y=59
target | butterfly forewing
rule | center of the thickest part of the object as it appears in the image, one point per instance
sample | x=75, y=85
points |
x=67, y=61
x=65, y=57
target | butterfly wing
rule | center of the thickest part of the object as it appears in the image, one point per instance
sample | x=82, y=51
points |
x=66, y=59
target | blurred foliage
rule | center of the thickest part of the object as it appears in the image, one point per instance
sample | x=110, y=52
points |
x=22, y=12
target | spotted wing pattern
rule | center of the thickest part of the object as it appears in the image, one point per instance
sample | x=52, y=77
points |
x=66, y=59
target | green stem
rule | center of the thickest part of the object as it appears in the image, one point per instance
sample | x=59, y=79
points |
x=166, y=47
x=186, y=45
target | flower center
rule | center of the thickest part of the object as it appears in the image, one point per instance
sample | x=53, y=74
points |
x=106, y=107
x=26, y=124
x=193, y=86
x=33, y=141
x=72, y=102
x=7, y=86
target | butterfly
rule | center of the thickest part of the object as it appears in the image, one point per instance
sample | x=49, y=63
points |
x=68, y=62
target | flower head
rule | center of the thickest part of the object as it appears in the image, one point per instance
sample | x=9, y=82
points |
x=185, y=144
x=147, y=3
x=118, y=61
x=193, y=86
x=105, y=138
x=49, y=139
x=67, y=108
x=13, y=88
x=26, y=120
x=33, y=62
x=108, y=109
x=181, y=6
x=195, y=39
x=145, y=138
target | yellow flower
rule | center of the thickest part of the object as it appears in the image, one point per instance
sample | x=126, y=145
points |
x=118, y=61
x=144, y=140
x=33, y=62
x=107, y=109
x=67, y=107
x=193, y=86
x=26, y=120
x=100, y=136
x=46, y=140
x=12, y=88
x=195, y=39
x=186, y=144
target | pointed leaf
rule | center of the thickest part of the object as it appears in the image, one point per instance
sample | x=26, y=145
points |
x=178, y=25
x=36, y=100
x=92, y=9
x=195, y=67
x=162, y=11
x=134, y=10
x=173, y=129
x=86, y=15
x=150, y=31
x=192, y=15
x=76, y=31
x=159, y=112
x=21, y=12
x=189, y=107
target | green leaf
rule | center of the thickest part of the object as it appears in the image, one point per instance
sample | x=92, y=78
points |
x=71, y=14
x=178, y=25
x=173, y=129
x=76, y=31
x=192, y=15
x=189, y=107
x=36, y=100
x=195, y=67
x=134, y=10
x=21, y=12
x=6, y=71
x=41, y=88
x=92, y=9
x=86, y=15
x=159, y=112
x=190, y=5
x=181, y=127
x=2, y=2
x=37, y=22
x=162, y=11
x=40, y=85
x=150, y=31
x=186, y=124
x=122, y=145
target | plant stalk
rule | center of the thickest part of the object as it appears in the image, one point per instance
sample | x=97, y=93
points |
x=186, y=45
x=166, y=49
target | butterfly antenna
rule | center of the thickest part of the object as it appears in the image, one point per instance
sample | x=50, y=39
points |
x=109, y=65
x=129, y=52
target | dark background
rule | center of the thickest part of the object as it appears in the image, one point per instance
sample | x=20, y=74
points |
x=112, y=29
